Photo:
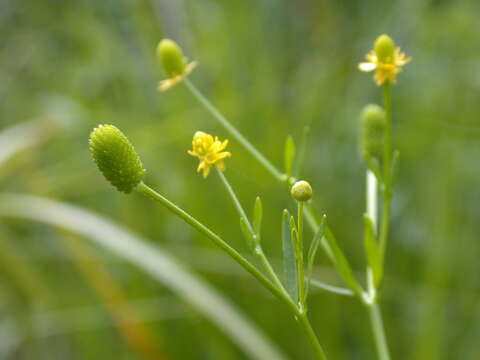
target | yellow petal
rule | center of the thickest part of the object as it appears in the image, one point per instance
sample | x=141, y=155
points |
x=206, y=171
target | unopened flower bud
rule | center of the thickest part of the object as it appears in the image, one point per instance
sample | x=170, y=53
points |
x=301, y=191
x=171, y=57
x=372, y=131
x=385, y=49
x=116, y=158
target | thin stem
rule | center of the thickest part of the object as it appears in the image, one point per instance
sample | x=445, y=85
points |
x=219, y=242
x=387, y=173
x=299, y=256
x=258, y=248
x=235, y=200
x=331, y=288
x=234, y=132
x=312, y=337
x=378, y=331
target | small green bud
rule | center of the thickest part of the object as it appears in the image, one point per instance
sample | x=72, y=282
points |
x=171, y=57
x=116, y=158
x=384, y=49
x=301, y=191
x=372, y=131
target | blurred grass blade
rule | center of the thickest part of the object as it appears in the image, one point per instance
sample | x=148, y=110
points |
x=257, y=217
x=372, y=251
x=341, y=262
x=151, y=259
x=301, y=152
x=312, y=251
x=25, y=135
x=289, y=262
x=289, y=155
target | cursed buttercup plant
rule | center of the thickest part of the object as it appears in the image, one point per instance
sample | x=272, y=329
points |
x=120, y=164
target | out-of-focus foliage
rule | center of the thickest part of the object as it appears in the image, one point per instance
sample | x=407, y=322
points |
x=272, y=67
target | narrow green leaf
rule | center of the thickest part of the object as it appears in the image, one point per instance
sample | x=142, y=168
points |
x=257, y=217
x=289, y=155
x=289, y=261
x=372, y=251
x=341, y=263
x=247, y=235
x=300, y=159
x=373, y=165
x=312, y=251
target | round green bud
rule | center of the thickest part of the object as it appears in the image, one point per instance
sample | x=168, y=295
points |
x=384, y=48
x=116, y=158
x=372, y=132
x=301, y=191
x=171, y=57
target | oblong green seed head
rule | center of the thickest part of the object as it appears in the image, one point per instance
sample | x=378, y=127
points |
x=116, y=158
x=372, y=131
x=171, y=57
x=384, y=48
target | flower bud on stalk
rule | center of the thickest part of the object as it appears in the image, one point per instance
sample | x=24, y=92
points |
x=385, y=49
x=116, y=158
x=302, y=191
x=171, y=57
x=372, y=131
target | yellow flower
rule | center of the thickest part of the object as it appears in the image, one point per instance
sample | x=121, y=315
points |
x=209, y=151
x=174, y=63
x=386, y=59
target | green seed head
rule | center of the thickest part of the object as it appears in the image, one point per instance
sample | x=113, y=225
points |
x=116, y=158
x=372, y=131
x=171, y=57
x=302, y=191
x=384, y=48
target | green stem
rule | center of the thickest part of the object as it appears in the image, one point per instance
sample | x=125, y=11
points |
x=219, y=242
x=235, y=200
x=387, y=173
x=378, y=331
x=258, y=248
x=234, y=132
x=299, y=256
x=303, y=320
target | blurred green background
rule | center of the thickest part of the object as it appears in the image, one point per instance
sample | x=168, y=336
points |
x=272, y=67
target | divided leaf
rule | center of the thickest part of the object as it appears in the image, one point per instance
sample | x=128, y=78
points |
x=341, y=262
x=289, y=261
x=257, y=217
x=247, y=235
x=312, y=251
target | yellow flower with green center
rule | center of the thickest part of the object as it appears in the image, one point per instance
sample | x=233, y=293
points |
x=210, y=152
x=173, y=62
x=386, y=59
